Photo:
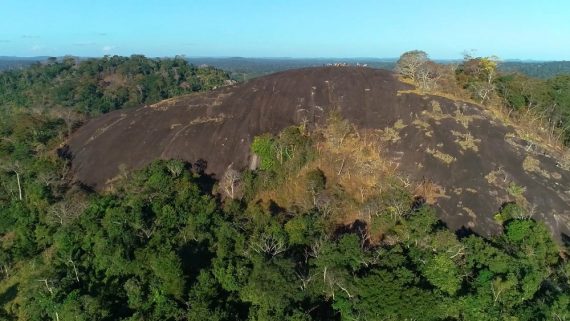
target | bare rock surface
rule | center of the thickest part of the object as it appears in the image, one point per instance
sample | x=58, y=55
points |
x=456, y=145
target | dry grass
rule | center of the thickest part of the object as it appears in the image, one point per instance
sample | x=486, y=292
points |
x=424, y=126
x=464, y=119
x=399, y=124
x=389, y=134
x=436, y=112
x=565, y=160
x=532, y=165
x=528, y=125
x=436, y=93
x=203, y=120
x=436, y=107
x=446, y=158
x=466, y=141
x=532, y=128
x=497, y=177
x=430, y=191
x=392, y=134
x=355, y=170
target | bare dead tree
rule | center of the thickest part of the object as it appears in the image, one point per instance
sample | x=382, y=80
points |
x=48, y=287
x=427, y=76
x=74, y=269
x=71, y=118
x=19, y=184
x=410, y=62
x=229, y=182
x=332, y=282
x=16, y=169
x=269, y=245
x=459, y=251
x=67, y=211
x=324, y=204
x=48, y=178
x=304, y=278
x=5, y=270
x=315, y=248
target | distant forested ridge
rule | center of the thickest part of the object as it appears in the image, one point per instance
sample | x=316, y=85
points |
x=7, y=63
x=545, y=69
x=247, y=68
x=96, y=86
x=242, y=69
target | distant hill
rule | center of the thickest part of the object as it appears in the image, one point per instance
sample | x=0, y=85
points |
x=544, y=69
x=242, y=68
x=7, y=62
x=247, y=68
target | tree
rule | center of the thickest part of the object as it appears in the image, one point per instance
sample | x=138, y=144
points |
x=427, y=76
x=478, y=75
x=316, y=182
x=16, y=168
x=442, y=272
x=410, y=62
x=229, y=182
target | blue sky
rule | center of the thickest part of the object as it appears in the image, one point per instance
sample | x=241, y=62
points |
x=294, y=28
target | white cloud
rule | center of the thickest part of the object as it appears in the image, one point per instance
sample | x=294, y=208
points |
x=108, y=48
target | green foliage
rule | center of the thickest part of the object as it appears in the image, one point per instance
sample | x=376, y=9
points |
x=160, y=247
x=509, y=211
x=100, y=85
x=316, y=180
x=443, y=274
x=264, y=147
x=280, y=156
x=548, y=98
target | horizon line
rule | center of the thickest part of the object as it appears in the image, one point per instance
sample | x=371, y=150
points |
x=264, y=57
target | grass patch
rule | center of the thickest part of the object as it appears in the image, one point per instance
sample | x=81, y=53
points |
x=466, y=141
x=515, y=190
x=446, y=158
x=392, y=134
x=430, y=191
x=532, y=165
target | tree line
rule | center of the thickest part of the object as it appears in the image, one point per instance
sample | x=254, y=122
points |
x=535, y=102
x=96, y=86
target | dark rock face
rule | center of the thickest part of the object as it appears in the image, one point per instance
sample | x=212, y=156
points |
x=456, y=145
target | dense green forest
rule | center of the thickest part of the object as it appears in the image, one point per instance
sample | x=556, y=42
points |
x=161, y=247
x=95, y=86
x=294, y=240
